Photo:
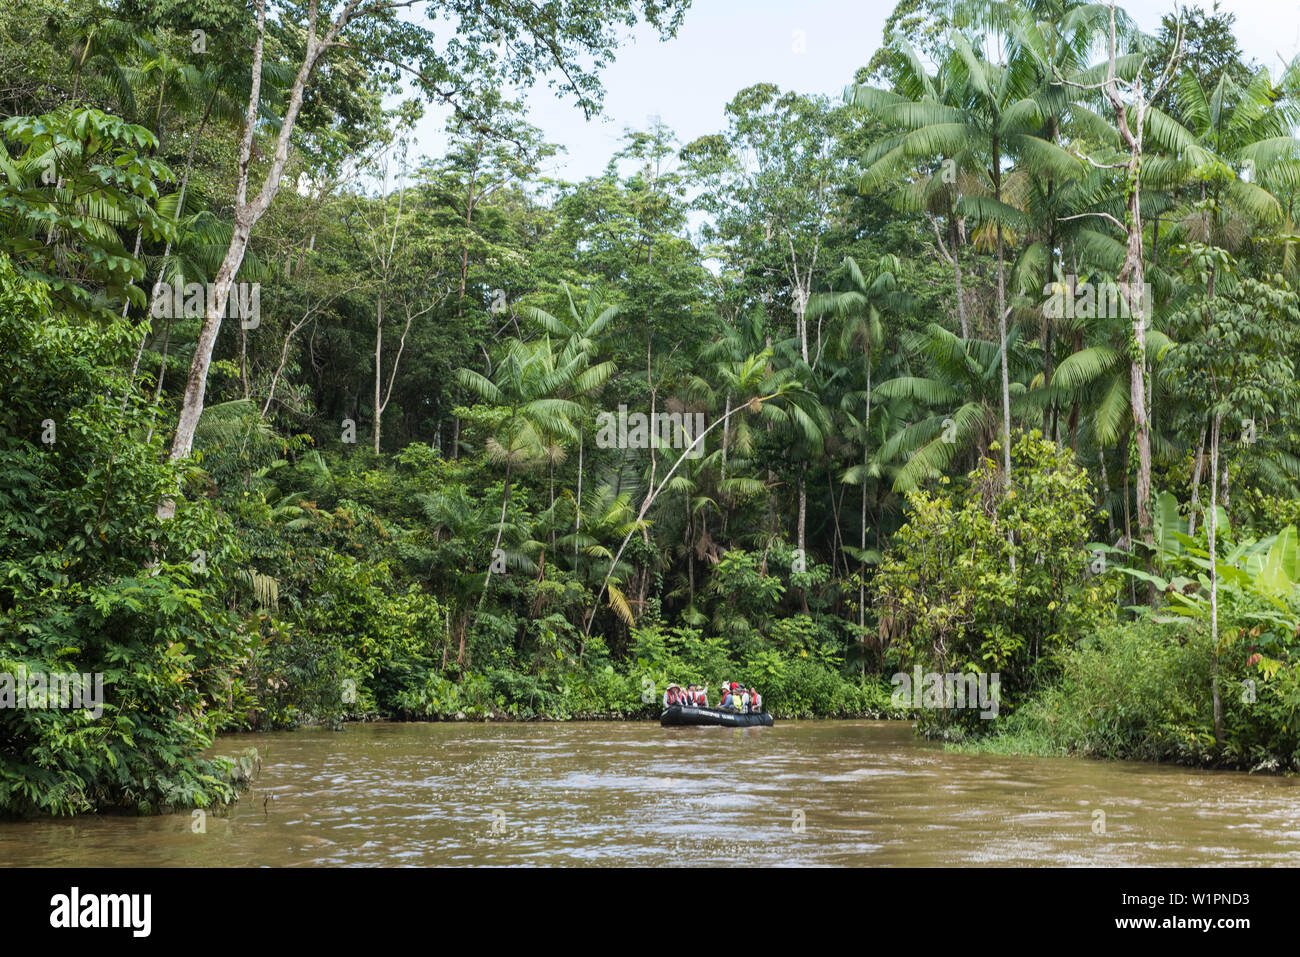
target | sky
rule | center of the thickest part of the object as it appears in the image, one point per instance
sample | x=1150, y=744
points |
x=810, y=46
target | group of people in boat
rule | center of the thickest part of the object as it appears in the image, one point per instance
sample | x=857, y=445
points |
x=735, y=697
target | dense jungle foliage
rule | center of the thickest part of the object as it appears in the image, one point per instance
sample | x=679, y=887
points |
x=987, y=366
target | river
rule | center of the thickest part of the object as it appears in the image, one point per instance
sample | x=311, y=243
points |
x=803, y=793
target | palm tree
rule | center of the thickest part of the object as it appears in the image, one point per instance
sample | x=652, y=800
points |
x=582, y=339
x=729, y=355
x=934, y=190
x=526, y=383
x=958, y=398
x=1232, y=146
x=987, y=114
x=762, y=385
x=861, y=333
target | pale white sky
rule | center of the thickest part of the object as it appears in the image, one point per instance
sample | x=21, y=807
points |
x=726, y=45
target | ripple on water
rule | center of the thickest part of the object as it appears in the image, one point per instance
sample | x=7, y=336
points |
x=808, y=793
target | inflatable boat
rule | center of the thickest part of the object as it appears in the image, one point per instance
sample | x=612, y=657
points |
x=678, y=715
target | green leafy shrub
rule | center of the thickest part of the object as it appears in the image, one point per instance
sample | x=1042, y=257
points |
x=981, y=581
x=92, y=581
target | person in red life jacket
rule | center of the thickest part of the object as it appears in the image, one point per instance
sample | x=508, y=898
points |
x=673, y=696
x=726, y=702
x=702, y=696
x=755, y=701
x=692, y=696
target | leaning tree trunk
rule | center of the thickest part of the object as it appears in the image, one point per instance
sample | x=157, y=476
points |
x=247, y=214
x=197, y=383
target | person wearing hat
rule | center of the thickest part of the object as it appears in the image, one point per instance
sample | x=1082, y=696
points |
x=672, y=695
x=728, y=700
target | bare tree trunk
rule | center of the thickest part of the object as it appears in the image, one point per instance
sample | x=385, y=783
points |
x=862, y=576
x=1002, y=324
x=1196, y=482
x=1133, y=271
x=803, y=506
x=1131, y=276
x=961, y=297
x=379, y=370
x=577, y=510
x=247, y=213
x=866, y=459
x=1047, y=381
x=1214, y=583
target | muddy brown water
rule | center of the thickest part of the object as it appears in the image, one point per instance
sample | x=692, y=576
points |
x=802, y=793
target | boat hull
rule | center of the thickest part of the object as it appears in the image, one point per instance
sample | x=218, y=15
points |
x=677, y=715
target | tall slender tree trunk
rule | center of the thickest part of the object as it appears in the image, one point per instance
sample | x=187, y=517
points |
x=1132, y=274
x=862, y=576
x=1196, y=482
x=862, y=563
x=577, y=509
x=1002, y=320
x=247, y=213
x=803, y=506
x=379, y=367
x=1047, y=381
x=1214, y=583
x=961, y=296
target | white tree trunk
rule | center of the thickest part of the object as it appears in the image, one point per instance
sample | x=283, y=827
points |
x=247, y=213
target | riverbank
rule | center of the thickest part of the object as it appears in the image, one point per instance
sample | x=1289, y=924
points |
x=1144, y=691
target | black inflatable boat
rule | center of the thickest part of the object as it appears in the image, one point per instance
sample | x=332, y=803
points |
x=679, y=715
